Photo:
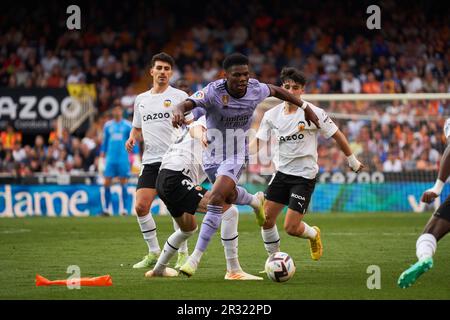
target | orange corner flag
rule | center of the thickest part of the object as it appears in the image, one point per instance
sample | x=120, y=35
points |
x=102, y=281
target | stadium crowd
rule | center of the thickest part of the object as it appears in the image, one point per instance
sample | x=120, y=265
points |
x=338, y=55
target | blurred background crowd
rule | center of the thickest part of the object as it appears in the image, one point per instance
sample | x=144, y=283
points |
x=329, y=42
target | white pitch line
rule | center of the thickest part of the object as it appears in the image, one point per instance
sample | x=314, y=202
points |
x=351, y=234
x=12, y=231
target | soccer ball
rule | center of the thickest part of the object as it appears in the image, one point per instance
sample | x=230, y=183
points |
x=280, y=267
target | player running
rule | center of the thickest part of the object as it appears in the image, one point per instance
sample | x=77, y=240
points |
x=229, y=105
x=115, y=157
x=293, y=183
x=152, y=119
x=178, y=185
x=438, y=225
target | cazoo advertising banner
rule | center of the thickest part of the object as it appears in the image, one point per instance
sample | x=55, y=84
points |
x=33, y=110
x=88, y=200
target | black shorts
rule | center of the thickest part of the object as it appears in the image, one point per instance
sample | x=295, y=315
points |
x=148, y=175
x=444, y=210
x=290, y=190
x=178, y=192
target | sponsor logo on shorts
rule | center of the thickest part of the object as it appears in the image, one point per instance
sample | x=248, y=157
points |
x=297, y=196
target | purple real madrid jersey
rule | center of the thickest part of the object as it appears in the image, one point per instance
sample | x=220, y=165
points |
x=228, y=119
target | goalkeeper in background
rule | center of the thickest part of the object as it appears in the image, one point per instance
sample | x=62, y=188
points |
x=115, y=157
x=438, y=225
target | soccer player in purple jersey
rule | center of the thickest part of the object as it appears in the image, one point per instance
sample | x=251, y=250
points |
x=229, y=105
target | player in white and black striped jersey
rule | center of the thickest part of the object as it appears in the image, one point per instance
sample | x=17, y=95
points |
x=438, y=225
x=293, y=183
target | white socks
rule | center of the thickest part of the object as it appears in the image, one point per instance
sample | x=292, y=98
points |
x=255, y=202
x=308, y=233
x=195, y=257
x=183, y=247
x=148, y=229
x=426, y=246
x=170, y=247
x=229, y=235
x=271, y=239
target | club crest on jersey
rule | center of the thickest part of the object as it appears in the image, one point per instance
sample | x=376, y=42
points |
x=167, y=103
x=198, y=95
x=301, y=125
x=225, y=99
x=198, y=188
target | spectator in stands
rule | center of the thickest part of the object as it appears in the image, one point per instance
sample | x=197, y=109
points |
x=49, y=61
x=393, y=163
x=350, y=84
x=412, y=82
x=9, y=137
x=76, y=76
x=372, y=85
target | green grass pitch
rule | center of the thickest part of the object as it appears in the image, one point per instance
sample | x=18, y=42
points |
x=99, y=246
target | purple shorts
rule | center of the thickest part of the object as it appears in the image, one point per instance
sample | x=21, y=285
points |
x=231, y=168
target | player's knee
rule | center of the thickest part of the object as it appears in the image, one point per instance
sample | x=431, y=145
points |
x=142, y=208
x=188, y=232
x=270, y=222
x=216, y=199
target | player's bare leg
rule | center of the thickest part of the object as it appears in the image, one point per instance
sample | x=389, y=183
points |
x=187, y=227
x=295, y=226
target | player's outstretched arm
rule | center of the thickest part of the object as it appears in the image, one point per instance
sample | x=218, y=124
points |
x=284, y=95
x=134, y=136
x=179, y=110
x=342, y=141
x=444, y=171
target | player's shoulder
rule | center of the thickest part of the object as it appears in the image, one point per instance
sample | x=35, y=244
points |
x=274, y=111
x=108, y=123
x=312, y=105
x=177, y=92
x=252, y=82
x=218, y=85
x=142, y=95
x=127, y=123
x=317, y=110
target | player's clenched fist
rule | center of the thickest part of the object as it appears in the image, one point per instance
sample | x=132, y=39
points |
x=428, y=196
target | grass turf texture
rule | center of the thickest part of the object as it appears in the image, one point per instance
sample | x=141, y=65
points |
x=99, y=246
